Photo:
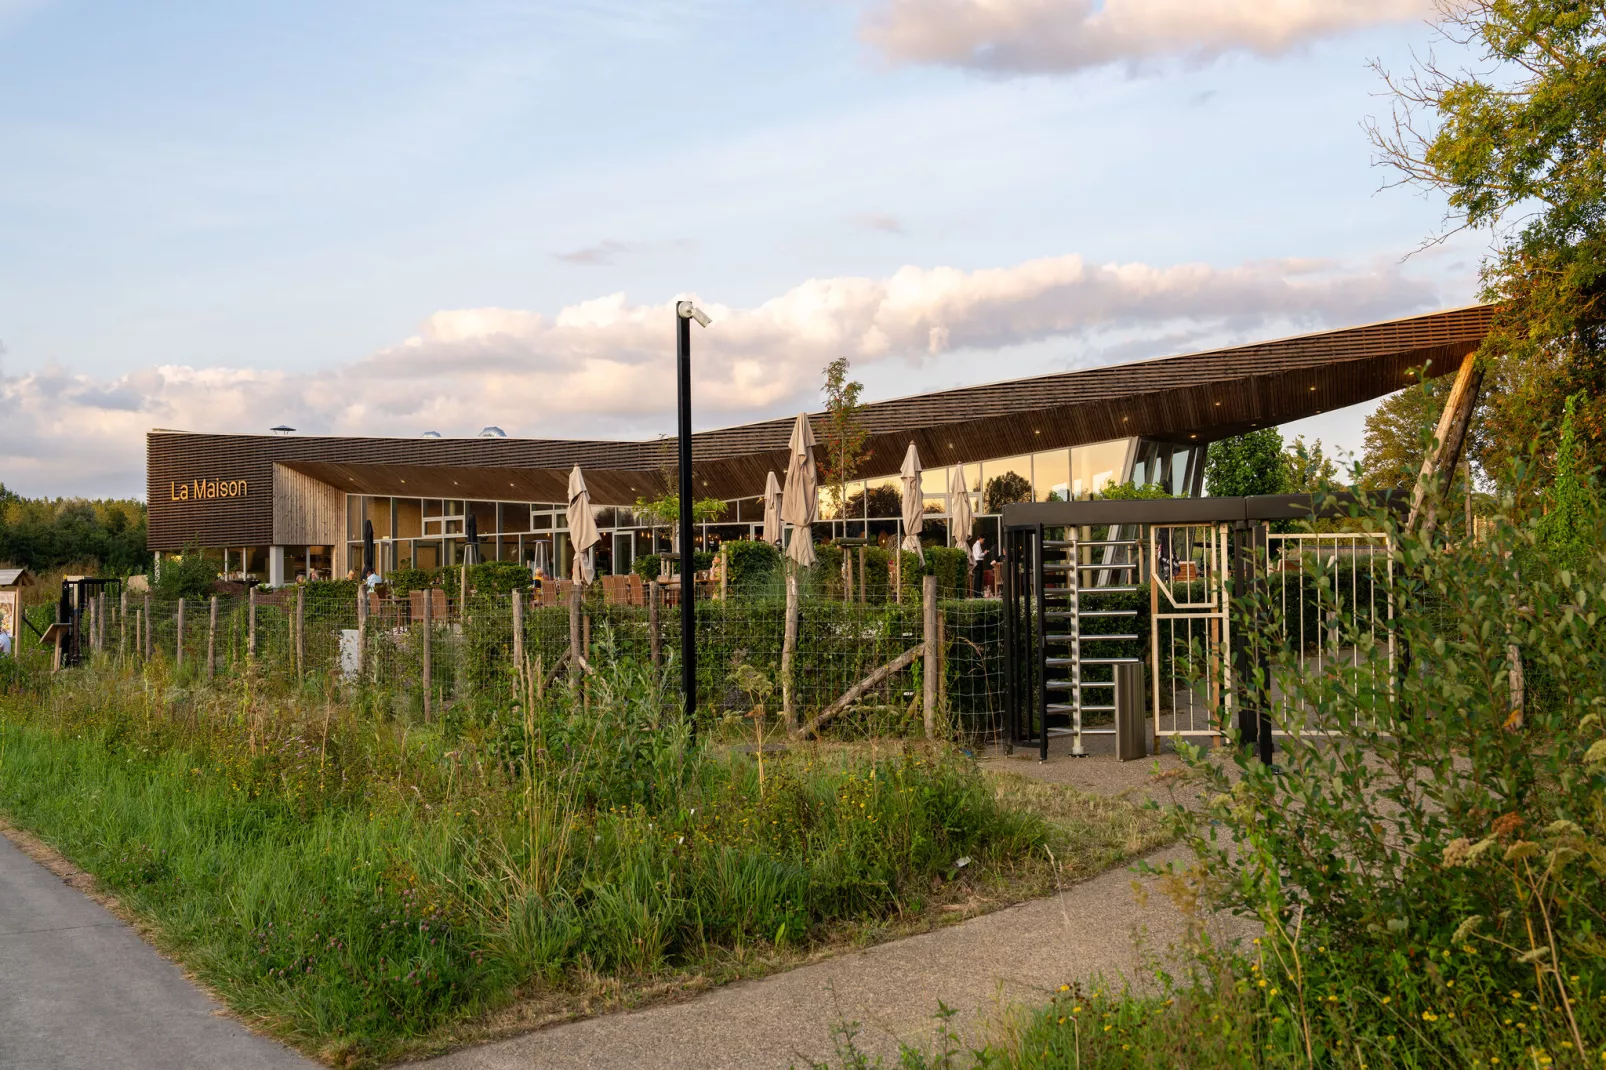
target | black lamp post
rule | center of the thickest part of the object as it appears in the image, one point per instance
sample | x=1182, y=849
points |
x=685, y=312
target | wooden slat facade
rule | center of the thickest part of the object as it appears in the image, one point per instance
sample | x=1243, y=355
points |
x=1194, y=398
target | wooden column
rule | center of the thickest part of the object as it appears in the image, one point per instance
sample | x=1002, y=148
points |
x=789, y=651
x=150, y=626
x=655, y=637
x=300, y=626
x=429, y=635
x=178, y=641
x=518, y=629
x=928, y=605
x=1449, y=437
x=251, y=621
x=211, y=640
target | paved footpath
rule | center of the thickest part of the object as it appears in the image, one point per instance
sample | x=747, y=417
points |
x=1013, y=956
x=79, y=990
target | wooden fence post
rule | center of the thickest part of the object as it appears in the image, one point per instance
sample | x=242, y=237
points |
x=251, y=622
x=178, y=640
x=862, y=598
x=654, y=635
x=150, y=626
x=122, y=625
x=211, y=640
x=429, y=635
x=100, y=622
x=928, y=599
x=362, y=628
x=518, y=629
x=942, y=659
x=301, y=630
x=139, y=619
x=789, y=651
x=574, y=632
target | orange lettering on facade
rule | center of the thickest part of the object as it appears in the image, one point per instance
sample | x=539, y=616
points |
x=207, y=490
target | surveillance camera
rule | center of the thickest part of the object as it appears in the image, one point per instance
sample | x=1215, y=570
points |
x=689, y=311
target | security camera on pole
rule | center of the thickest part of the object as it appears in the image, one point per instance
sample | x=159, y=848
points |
x=685, y=312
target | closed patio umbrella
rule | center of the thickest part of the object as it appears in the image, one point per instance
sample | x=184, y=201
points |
x=960, y=516
x=772, y=509
x=471, y=540
x=583, y=534
x=914, y=512
x=367, y=547
x=801, y=503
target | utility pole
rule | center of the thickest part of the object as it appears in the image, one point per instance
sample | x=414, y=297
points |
x=685, y=312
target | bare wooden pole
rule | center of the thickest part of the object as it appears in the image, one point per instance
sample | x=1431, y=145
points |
x=928, y=631
x=251, y=621
x=1448, y=438
x=655, y=636
x=942, y=660
x=362, y=628
x=789, y=651
x=429, y=635
x=574, y=629
x=122, y=625
x=862, y=598
x=518, y=627
x=150, y=623
x=178, y=641
x=301, y=630
x=211, y=640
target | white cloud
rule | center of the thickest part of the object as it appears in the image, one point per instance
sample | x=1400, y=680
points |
x=604, y=367
x=1046, y=36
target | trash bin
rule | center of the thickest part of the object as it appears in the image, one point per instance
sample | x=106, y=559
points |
x=1131, y=726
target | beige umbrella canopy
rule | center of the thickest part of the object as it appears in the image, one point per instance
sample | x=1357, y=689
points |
x=772, y=509
x=960, y=516
x=583, y=534
x=801, y=500
x=914, y=513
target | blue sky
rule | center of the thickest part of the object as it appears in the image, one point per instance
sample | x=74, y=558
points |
x=390, y=218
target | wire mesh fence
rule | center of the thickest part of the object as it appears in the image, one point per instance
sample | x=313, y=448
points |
x=427, y=652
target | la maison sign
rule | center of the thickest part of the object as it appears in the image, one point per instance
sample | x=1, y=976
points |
x=206, y=490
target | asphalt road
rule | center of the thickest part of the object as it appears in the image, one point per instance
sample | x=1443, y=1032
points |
x=80, y=989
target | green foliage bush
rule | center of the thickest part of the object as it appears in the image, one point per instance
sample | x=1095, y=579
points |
x=754, y=566
x=648, y=566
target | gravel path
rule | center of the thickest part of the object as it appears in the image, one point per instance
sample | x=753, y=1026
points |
x=80, y=989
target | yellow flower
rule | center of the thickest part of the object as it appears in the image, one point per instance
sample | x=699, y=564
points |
x=1065, y=988
x=1387, y=1000
x=1429, y=1016
x=1261, y=983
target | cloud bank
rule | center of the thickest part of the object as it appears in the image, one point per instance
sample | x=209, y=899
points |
x=1057, y=36
x=605, y=367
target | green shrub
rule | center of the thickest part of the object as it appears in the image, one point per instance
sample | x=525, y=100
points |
x=754, y=567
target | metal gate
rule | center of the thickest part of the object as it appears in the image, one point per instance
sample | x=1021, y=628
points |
x=1190, y=629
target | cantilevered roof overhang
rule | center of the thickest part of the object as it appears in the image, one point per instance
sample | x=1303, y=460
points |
x=1189, y=399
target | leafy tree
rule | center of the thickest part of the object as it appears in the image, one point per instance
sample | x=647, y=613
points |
x=843, y=449
x=42, y=533
x=1308, y=468
x=190, y=574
x=1130, y=491
x=1516, y=142
x=664, y=510
x=1566, y=530
x=1251, y=463
x=1005, y=489
x=1397, y=433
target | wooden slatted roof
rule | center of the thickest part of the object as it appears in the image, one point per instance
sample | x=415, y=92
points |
x=1193, y=398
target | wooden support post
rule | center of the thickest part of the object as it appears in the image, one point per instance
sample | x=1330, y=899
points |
x=518, y=629
x=211, y=640
x=655, y=636
x=150, y=626
x=301, y=630
x=251, y=621
x=847, y=574
x=724, y=571
x=362, y=629
x=462, y=589
x=1439, y=465
x=122, y=625
x=585, y=635
x=574, y=628
x=928, y=631
x=178, y=641
x=429, y=636
x=942, y=659
x=789, y=651
x=862, y=598
x=100, y=622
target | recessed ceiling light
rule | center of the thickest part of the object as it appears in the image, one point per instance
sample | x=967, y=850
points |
x=1313, y=389
x=1193, y=436
x=1218, y=404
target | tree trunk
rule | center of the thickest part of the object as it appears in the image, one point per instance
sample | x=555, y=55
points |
x=857, y=691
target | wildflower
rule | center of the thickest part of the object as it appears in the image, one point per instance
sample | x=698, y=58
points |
x=1387, y=1000
x=1429, y=1016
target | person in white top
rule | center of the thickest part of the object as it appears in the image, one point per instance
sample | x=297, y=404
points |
x=978, y=556
x=5, y=641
